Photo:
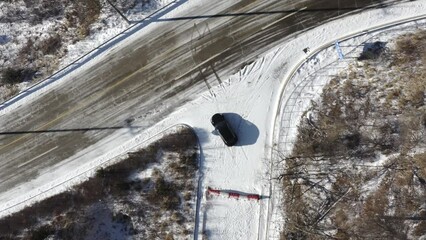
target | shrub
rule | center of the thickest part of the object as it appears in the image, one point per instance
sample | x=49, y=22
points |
x=87, y=12
x=410, y=47
x=28, y=53
x=69, y=213
x=14, y=76
x=51, y=45
x=40, y=13
x=328, y=161
x=164, y=192
x=169, y=237
x=185, y=166
x=420, y=229
x=42, y=232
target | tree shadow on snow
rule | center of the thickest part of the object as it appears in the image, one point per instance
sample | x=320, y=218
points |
x=202, y=134
x=372, y=50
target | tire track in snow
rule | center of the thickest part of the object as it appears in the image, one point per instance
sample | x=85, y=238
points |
x=281, y=107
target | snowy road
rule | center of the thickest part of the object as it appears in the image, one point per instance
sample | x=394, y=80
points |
x=140, y=82
x=145, y=78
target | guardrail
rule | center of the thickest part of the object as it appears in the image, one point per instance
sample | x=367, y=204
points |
x=299, y=65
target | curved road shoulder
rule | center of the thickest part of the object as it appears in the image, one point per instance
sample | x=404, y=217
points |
x=283, y=102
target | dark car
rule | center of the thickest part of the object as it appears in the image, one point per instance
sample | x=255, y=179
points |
x=228, y=136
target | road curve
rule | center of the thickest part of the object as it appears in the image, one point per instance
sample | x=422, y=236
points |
x=137, y=84
x=284, y=105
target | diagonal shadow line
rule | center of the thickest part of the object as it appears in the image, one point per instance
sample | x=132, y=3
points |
x=70, y=130
x=271, y=12
x=108, y=44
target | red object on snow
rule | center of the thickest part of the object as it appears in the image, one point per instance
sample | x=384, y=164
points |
x=253, y=197
x=211, y=190
x=234, y=195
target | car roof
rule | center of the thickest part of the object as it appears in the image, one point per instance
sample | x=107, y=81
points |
x=226, y=133
x=217, y=118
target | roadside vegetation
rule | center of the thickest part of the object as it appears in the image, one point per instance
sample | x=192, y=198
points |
x=65, y=22
x=358, y=167
x=38, y=33
x=148, y=195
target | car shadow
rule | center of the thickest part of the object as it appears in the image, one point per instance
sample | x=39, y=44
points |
x=245, y=130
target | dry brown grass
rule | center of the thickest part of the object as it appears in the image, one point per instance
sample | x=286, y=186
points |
x=73, y=20
x=85, y=12
x=69, y=213
x=364, y=113
x=51, y=45
x=410, y=48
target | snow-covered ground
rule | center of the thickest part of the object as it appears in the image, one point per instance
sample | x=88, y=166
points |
x=15, y=33
x=110, y=24
x=252, y=102
x=307, y=83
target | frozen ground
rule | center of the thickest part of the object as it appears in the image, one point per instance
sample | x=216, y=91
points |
x=308, y=81
x=252, y=102
x=15, y=32
x=109, y=25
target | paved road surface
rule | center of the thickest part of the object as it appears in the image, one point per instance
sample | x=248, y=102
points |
x=150, y=77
